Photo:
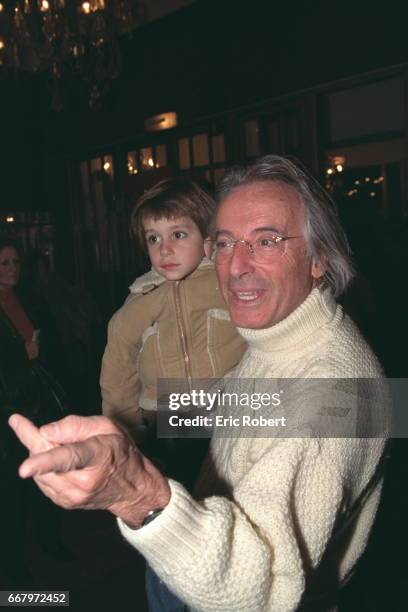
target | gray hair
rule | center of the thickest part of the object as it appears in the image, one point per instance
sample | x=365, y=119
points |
x=323, y=232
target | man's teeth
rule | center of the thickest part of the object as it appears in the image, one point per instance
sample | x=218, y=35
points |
x=247, y=295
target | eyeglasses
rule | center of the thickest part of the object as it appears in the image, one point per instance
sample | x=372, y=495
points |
x=263, y=249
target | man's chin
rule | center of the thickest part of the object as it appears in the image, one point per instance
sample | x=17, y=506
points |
x=252, y=319
x=247, y=311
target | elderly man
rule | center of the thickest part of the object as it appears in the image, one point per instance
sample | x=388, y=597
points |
x=273, y=513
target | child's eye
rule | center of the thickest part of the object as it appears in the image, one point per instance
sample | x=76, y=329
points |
x=153, y=239
x=179, y=235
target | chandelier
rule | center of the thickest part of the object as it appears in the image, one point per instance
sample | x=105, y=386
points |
x=73, y=42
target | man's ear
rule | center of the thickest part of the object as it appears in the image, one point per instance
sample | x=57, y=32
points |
x=208, y=249
x=319, y=266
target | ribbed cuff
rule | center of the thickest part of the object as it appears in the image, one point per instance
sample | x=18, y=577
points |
x=174, y=535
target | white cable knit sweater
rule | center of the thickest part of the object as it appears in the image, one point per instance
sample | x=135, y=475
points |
x=248, y=549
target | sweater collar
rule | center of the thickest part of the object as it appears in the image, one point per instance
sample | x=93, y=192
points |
x=299, y=327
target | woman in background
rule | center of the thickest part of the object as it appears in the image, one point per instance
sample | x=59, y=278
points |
x=11, y=307
x=26, y=385
x=18, y=346
x=25, y=382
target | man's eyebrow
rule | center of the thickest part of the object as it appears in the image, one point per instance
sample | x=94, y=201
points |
x=267, y=228
x=221, y=231
x=256, y=230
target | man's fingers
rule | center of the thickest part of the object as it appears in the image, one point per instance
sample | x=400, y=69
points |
x=63, y=459
x=28, y=434
x=75, y=428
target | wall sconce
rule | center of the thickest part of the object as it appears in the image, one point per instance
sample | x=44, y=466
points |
x=165, y=121
x=335, y=166
x=108, y=165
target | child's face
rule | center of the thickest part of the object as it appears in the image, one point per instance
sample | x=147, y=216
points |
x=175, y=246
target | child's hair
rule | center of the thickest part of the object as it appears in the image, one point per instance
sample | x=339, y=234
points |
x=173, y=197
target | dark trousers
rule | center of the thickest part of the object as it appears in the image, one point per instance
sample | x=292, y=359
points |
x=159, y=597
x=13, y=568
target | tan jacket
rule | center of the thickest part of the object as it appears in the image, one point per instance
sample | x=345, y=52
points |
x=166, y=329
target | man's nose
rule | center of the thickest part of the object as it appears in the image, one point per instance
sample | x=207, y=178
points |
x=241, y=261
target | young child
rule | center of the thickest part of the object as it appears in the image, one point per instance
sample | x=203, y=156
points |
x=175, y=323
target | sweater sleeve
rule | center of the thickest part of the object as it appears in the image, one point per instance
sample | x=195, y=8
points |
x=248, y=553
x=120, y=382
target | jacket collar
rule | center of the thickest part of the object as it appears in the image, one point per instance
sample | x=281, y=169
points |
x=152, y=279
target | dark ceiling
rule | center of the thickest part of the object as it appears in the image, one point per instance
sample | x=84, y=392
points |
x=210, y=56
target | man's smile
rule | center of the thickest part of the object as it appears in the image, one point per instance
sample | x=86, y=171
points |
x=246, y=298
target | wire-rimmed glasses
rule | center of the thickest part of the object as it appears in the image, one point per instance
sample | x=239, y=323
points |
x=262, y=249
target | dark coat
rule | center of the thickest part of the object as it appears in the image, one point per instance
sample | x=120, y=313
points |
x=25, y=386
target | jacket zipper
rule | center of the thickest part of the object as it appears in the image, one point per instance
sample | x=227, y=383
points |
x=183, y=334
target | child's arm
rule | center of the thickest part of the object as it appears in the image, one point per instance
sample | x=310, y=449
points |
x=120, y=383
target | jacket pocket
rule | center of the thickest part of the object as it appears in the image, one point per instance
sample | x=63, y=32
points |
x=150, y=362
x=225, y=346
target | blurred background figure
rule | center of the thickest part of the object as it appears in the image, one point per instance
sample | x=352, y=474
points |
x=25, y=378
x=12, y=309
x=16, y=349
x=25, y=384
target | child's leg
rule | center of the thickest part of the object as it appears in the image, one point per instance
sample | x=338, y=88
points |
x=159, y=597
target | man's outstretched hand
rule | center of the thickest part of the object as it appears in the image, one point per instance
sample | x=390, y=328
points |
x=88, y=462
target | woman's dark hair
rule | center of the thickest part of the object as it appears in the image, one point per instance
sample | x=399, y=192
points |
x=8, y=241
